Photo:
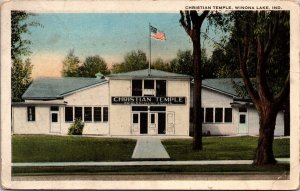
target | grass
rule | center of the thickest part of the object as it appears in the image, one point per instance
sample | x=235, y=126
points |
x=47, y=148
x=193, y=169
x=222, y=148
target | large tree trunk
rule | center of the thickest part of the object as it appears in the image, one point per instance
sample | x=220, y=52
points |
x=264, y=150
x=197, y=141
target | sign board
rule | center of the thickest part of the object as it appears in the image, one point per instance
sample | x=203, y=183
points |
x=136, y=100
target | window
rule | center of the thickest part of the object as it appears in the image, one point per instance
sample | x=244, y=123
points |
x=135, y=118
x=54, y=108
x=87, y=114
x=137, y=88
x=152, y=118
x=228, y=115
x=148, y=84
x=31, y=113
x=202, y=114
x=242, y=119
x=139, y=108
x=68, y=114
x=157, y=108
x=97, y=113
x=209, y=115
x=161, y=88
x=78, y=112
x=54, y=117
x=105, y=114
x=218, y=115
x=149, y=88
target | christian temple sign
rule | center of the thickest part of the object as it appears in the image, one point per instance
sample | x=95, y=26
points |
x=149, y=100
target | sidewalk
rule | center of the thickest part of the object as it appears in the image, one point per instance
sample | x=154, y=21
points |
x=149, y=148
x=144, y=163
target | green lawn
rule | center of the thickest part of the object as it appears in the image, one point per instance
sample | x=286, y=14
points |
x=222, y=148
x=46, y=148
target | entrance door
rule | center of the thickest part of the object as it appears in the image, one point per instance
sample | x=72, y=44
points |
x=161, y=123
x=143, y=123
x=170, y=123
x=54, y=122
x=243, y=123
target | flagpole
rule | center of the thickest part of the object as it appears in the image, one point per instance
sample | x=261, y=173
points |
x=149, y=70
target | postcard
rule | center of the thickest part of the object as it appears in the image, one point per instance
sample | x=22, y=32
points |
x=185, y=95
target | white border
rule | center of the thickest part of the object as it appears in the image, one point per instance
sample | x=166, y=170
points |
x=142, y=6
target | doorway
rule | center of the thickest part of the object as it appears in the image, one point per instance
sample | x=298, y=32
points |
x=243, y=121
x=143, y=123
x=161, y=123
x=54, y=119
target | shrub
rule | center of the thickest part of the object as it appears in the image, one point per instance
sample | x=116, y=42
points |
x=76, y=128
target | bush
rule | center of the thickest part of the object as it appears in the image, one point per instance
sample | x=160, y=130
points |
x=76, y=128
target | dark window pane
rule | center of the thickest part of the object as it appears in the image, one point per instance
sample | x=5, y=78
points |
x=54, y=108
x=135, y=118
x=87, y=113
x=105, y=113
x=209, y=115
x=148, y=84
x=97, y=113
x=202, y=115
x=243, y=109
x=137, y=88
x=161, y=88
x=157, y=108
x=242, y=119
x=78, y=112
x=152, y=118
x=219, y=115
x=139, y=108
x=228, y=114
x=54, y=117
x=31, y=113
x=69, y=114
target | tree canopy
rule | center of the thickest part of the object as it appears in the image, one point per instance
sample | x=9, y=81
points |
x=93, y=65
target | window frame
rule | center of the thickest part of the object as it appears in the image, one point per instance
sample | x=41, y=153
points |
x=84, y=114
x=215, y=114
x=98, y=121
x=104, y=120
x=33, y=117
x=231, y=119
x=72, y=114
x=212, y=116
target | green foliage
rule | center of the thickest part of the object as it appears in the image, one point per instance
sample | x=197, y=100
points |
x=70, y=65
x=20, y=48
x=20, y=77
x=134, y=60
x=160, y=64
x=93, y=65
x=76, y=128
x=183, y=63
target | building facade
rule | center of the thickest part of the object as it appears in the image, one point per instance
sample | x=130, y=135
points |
x=138, y=103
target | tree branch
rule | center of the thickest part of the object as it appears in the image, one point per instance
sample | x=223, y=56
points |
x=243, y=57
x=185, y=24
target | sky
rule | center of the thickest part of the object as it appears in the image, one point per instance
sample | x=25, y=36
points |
x=109, y=35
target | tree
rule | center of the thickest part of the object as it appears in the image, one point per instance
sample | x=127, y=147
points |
x=93, y=65
x=70, y=65
x=134, y=60
x=159, y=64
x=191, y=22
x=21, y=70
x=183, y=63
x=259, y=37
x=20, y=77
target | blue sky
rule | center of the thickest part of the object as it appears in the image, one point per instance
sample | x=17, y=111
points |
x=110, y=35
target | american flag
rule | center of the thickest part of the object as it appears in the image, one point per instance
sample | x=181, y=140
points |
x=156, y=34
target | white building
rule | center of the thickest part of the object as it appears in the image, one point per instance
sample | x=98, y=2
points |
x=133, y=103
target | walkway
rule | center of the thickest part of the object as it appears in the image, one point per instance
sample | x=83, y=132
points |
x=149, y=148
x=144, y=163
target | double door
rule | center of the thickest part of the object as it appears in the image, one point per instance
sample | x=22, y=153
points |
x=150, y=123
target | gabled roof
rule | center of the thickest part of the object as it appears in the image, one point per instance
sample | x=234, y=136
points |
x=223, y=85
x=145, y=74
x=57, y=88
